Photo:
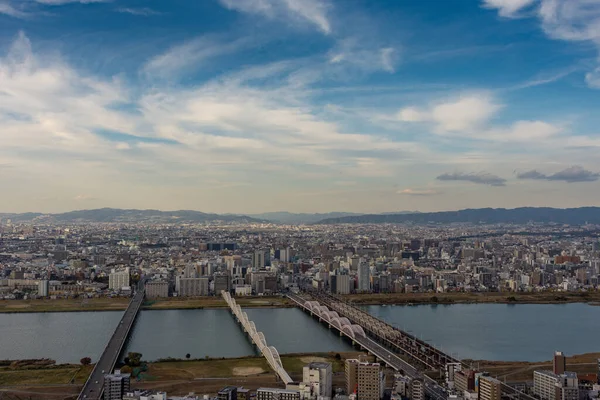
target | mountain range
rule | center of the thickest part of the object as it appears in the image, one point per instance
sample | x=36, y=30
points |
x=572, y=216
x=129, y=216
x=284, y=217
x=523, y=215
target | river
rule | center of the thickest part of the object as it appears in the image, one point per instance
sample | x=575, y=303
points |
x=476, y=331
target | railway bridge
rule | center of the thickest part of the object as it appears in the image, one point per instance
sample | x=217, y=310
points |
x=396, y=348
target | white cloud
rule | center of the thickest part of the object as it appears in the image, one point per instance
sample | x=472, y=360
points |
x=523, y=131
x=363, y=55
x=189, y=55
x=8, y=9
x=388, y=59
x=568, y=20
x=143, y=12
x=418, y=192
x=464, y=114
x=312, y=11
x=508, y=8
x=62, y=2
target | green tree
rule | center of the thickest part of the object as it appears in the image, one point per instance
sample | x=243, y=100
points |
x=134, y=359
x=188, y=355
x=85, y=361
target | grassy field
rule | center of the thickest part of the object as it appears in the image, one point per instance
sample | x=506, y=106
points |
x=215, y=302
x=56, y=375
x=63, y=305
x=458, y=298
x=523, y=371
x=117, y=304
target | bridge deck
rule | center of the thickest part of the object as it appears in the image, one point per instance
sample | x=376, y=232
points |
x=386, y=350
x=258, y=338
x=94, y=386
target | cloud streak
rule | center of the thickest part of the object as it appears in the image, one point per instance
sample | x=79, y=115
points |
x=566, y=20
x=573, y=174
x=419, y=192
x=311, y=11
x=480, y=178
x=142, y=12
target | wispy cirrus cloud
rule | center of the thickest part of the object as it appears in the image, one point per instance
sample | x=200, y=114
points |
x=567, y=20
x=480, y=178
x=191, y=54
x=7, y=8
x=508, y=8
x=142, y=12
x=419, y=192
x=311, y=11
x=571, y=175
x=364, y=55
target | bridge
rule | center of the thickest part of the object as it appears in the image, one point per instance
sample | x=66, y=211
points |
x=94, y=386
x=258, y=338
x=390, y=345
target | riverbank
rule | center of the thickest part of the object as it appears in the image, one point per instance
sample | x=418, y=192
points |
x=120, y=304
x=592, y=298
x=177, y=377
x=212, y=302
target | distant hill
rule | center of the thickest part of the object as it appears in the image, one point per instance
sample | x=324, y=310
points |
x=571, y=216
x=284, y=217
x=129, y=216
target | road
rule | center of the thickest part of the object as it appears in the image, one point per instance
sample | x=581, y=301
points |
x=95, y=384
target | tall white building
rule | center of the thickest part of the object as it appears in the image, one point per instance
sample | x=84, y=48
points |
x=318, y=376
x=118, y=280
x=550, y=386
x=43, y=288
x=364, y=277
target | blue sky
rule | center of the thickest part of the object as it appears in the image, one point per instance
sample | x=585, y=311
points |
x=302, y=105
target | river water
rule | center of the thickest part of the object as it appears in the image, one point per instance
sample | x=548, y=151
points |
x=476, y=331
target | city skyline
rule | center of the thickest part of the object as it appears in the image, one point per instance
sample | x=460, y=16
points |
x=232, y=106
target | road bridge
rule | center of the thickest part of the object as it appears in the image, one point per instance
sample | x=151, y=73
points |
x=258, y=338
x=94, y=386
x=387, y=342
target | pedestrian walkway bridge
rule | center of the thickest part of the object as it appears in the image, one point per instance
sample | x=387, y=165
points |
x=258, y=338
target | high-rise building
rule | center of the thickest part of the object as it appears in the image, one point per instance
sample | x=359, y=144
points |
x=550, y=386
x=417, y=389
x=118, y=280
x=190, y=287
x=364, y=277
x=227, y=393
x=354, y=262
x=157, y=289
x=559, y=363
x=43, y=288
x=318, y=375
x=464, y=380
x=489, y=388
x=277, y=394
x=116, y=385
x=364, y=379
x=222, y=283
x=261, y=258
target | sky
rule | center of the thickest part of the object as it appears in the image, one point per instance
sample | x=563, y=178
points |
x=248, y=106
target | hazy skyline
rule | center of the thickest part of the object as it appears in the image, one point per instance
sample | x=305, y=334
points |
x=248, y=106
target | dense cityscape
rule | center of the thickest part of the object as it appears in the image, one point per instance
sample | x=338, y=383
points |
x=299, y=200
x=428, y=263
